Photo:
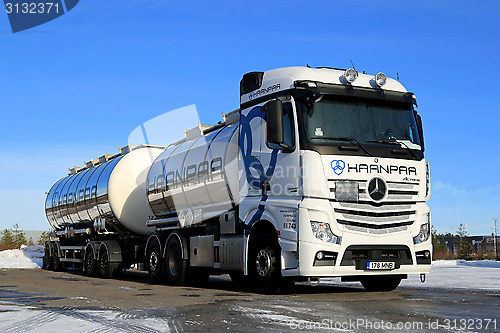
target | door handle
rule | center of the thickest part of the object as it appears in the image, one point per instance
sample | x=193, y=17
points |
x=265, y=186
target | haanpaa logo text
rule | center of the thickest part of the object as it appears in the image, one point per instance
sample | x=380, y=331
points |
x=338, y=166
x=26, y=14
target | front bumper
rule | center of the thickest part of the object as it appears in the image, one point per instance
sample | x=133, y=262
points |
x=360, y=245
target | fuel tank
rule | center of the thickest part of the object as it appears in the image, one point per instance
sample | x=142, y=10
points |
x=111, y=188
x=196, y=179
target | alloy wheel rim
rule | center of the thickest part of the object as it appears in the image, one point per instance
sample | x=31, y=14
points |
x=263, y=263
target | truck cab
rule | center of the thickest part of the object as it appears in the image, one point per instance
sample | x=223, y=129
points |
x=333, y=161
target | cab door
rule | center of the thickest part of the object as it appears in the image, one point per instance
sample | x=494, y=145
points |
x=281, y=163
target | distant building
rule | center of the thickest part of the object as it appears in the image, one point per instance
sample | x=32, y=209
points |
x=481, y=245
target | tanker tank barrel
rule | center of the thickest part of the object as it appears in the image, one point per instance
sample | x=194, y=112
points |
x=111, y=187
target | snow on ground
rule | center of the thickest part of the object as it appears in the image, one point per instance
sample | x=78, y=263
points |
x=450, y=274
x=25, y=257
x=459, y=274
x=15, y=318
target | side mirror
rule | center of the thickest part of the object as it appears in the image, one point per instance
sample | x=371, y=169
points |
x=274, y=127
x=420, y=130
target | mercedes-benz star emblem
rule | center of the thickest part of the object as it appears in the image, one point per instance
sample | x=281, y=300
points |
x=377, y=189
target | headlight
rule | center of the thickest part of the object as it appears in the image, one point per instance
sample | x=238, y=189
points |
x=322, y=231
x=350, y=75
x=346, y=190
x=425, y=231
x=380, y=79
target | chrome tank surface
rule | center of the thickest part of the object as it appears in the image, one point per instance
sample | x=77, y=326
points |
x=196, y=179
x=113, y=190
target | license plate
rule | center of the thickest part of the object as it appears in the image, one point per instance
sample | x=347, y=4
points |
x=380, y=265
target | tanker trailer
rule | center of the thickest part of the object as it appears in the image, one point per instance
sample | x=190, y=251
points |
x=98, y=213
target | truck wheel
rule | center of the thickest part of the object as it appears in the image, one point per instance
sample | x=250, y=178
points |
x=380, y=283
x=175, y=266
x=90, y=265
x=56, y=262
x=106, y=268
x=47, y=256
x=266, y=265
x=154, y=262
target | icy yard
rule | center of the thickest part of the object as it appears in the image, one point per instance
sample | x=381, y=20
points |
x=450, y=284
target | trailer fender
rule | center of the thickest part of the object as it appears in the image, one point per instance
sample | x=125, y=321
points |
x=159, y=239
x=114, y=250
x=94, y=247
x=184, y=244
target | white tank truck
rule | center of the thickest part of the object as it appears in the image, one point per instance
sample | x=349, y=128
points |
x=319, y=173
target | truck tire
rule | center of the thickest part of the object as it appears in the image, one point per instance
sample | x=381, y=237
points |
x=154, y=262
x=106, y=268
x=175, y=266
x=265, y=265
x=57, y=265
x=380, y=283
x=47, y=256
x=90, y=264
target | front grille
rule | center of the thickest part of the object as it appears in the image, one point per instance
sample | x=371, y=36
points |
x=375, y=225
x=375, y=218
x=376, y=231
x=396, y=191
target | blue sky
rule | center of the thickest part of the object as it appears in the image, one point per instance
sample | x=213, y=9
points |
x=75, y=87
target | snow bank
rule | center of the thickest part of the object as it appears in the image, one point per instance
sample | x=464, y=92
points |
x=449, y=274
x=25, y=257
x=461, y=262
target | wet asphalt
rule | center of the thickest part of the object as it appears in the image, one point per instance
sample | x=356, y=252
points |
x=129, y=303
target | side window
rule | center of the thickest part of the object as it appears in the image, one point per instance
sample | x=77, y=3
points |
x=288, y=127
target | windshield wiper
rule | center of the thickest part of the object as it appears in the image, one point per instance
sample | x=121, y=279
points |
x=346, y=139
x=397, y=143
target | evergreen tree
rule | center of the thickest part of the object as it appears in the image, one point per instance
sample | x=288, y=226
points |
x=465, y=244
x=43, y=238
x=18, y=236
x=7, y=239
x=438, y=244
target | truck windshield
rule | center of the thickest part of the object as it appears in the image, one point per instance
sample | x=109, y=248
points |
x=335, y=120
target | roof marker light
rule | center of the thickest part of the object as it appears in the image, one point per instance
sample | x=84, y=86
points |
x=380, y=79
x=350, y=75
